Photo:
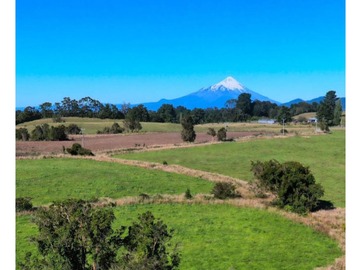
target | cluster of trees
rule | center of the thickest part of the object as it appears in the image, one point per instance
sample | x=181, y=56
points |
x=241, y=109
x=45, y=132
x=74, y=234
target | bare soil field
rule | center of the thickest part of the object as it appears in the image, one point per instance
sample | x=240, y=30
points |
x=111, y=142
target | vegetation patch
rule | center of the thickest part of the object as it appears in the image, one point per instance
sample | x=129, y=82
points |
x=323, y=154
x=47, y=180
x=216, y=236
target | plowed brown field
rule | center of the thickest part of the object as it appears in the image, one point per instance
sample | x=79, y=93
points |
x=110, y=142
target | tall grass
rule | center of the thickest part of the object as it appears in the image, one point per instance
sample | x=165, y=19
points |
x=325, y=156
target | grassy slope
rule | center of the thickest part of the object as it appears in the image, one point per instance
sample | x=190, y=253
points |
x=225, y=237
x=92, y=125
x=46, y=180
x=325, y=155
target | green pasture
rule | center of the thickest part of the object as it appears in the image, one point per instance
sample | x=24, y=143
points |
x=324, y=154
x=224, y=237
x=92, y=125
x=47, y=180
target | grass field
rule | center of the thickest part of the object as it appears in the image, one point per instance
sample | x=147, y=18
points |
x=92, y=125
x=225, y=237
x=325, y=155
x=46, y=180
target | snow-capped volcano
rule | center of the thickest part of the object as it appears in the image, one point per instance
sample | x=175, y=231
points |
x=210, y=97
x=228, y=83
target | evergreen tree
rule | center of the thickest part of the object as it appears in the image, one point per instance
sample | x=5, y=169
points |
x=188, y=133
x=337, y=113
x=326, y=110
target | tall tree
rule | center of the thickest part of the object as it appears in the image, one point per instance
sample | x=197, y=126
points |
x=244, y=103
x=337, y=113
x=46, y=110
x=188, y=133
x=283, y=115
x=325, y=113
x=167, y=113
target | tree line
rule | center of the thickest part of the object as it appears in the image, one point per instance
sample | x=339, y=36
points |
x=242, y=109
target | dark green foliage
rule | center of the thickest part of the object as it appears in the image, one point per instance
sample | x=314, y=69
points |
x=325, y=113
x=243, y=103
x=23, y=204
x=165, y=162
x=166, y=113
x=337, y=113
x=114, y=129
x=188, y=133
x=292, y=183
x=77, y=149
x=22, y=134
x=283, y=115
x=46, y=133
x=28, y=114
x=73, y=129
x=224, y=190
x=188, y=194
x=147, y=245
x=221, y=134
x=58, y=133
x=75, y=235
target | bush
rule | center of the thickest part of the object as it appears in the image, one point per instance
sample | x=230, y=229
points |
x=221, y=134
x=22, y=134
x=188, y=194
x=23, y=204
x=77, y=149
x=58, y=134
x=224, y=190
x=291, y=182
x=73, y=129
x=114, y=129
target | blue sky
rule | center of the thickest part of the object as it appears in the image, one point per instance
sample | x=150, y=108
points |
x=140, y=51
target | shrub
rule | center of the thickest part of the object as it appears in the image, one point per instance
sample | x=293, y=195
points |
x=165, y=162
x=23, y=204
x=224, y=190
x=77, y=149
x=291, y=182
x=22, y=134
x=211, y=132
x=221, y=134
x=58, y=133
x=73, y=129
x=283, y=131
x=188, y=194
x=40, y=133
x=114, y=129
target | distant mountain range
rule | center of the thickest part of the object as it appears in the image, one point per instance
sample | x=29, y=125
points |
x=217, y=95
